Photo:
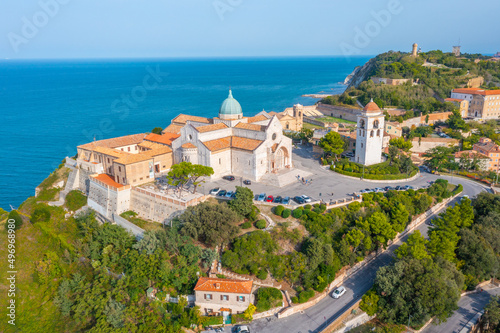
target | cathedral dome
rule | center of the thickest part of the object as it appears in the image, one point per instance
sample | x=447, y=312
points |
x=230, y=107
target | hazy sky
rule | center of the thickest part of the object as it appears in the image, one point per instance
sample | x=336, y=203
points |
x=207, y=28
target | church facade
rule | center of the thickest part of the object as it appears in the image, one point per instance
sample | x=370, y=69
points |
x=232, y=144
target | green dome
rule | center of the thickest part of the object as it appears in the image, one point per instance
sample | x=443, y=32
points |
x=230, y=106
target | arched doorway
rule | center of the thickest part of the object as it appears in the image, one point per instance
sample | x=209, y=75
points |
x=281, y=158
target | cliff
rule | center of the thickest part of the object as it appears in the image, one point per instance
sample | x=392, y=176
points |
x=360, y=74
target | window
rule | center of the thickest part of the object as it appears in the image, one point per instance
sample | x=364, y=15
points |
x=108, y=160
x=119, y=169
x=240, y=298
x=371, y=134
x=361, y=145
x=224, y=297
x=208, y=296
x=219, y=160
x=128, y=148
x=123, y=180
x=378, y=132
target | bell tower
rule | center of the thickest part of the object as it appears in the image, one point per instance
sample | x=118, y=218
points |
x=369, y=136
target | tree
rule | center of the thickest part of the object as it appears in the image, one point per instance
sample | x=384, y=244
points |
x=380, y=228
x=369, y=302
x=243, y=202
x=332, y=143
x=414, y=247
x=197, y=171
x=437, y=157
x=185, y=172
x=456, y=122
x=14, y=219
x=157, y=130
x=399, y=217
x=491, y=315
x=393, y=154
x=354, y=237
x=41, y=214
x=401, y=144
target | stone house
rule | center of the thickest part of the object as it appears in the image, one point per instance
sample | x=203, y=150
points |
x=215, y=296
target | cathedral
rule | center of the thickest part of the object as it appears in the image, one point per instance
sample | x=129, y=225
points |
x=232, y=144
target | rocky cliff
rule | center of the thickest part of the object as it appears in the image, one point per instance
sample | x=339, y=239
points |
x=360, y=74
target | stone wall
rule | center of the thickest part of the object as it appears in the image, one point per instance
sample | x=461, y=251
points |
x=157, y=207
x=339, y=112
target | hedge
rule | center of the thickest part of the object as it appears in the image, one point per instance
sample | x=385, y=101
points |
x=305, y=295
x=246, y=225
x=279, y=210
x=297, y=213
x=261, y=224
x=286, y=213
x=376, y=177
x=458, y=189
x=75, y=200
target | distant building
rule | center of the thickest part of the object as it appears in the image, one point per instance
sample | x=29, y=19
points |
x=422, y=145
x=483, y=104
x=482, y=160
x=456, y=50
x=487, y=147
x=390, y=82
x=292, y=118
x=414, y=51
x=394, y=128
x=462, y=104
x=370, y=134
x=215, y=296
x=475, y=82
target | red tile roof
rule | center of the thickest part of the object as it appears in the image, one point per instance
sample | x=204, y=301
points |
x=173, y=128
x=224, y=285
x=115, y=142
x=371, y=107
x=210, y=128
x=251, y=127
x=188, y=145
x=108, y=180
x=255, y=119
x=476, y=91
x=165, y=139
x=454, y=100
x=184, y=118
x=470, y=154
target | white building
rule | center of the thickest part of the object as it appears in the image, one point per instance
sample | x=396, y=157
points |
x=370, y=135
x=233, y=144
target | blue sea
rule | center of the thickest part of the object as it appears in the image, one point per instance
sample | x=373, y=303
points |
x=49, y=107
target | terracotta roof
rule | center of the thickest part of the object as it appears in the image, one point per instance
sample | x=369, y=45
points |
x=109, y=151
x=210, y=128
x=490, y=146
x=251, y=127
x=218, y=144
x=476, y=91
x=108, y=180
x=255, y=119
x=173, y=128
x=371, y=107
x=470, y=154
x=154, y=146
x=165, y=139
x=224, y=285
x=115, y=142
x=188, y=145
x=156, y=149
x=454, y=100
x=447, y=140
x=232, y=142
x=184, y=118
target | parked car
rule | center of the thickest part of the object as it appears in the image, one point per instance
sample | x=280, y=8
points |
x=270, y=198
x=261, y=197
x=230, y=178
x=234, y=194
x=229, y=194
x=464, y=197
x=409, y=187
x=368, y=190
x=399, y=188
x=338, y=292
x=286, y=200
x=247, y=182
x=298, y=200
x=278, y=199
x=378, y=189
x=222, y=193
x=389, y=188
x=242, y=329
x=362, y=191
x=306, y=198
x=214, y=191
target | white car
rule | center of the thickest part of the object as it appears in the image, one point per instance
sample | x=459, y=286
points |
x=306, y=198
x=242, y=329
x=338, y=292
x=214, y=191
x=465, y=197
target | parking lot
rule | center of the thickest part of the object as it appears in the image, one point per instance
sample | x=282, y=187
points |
x=323, y=184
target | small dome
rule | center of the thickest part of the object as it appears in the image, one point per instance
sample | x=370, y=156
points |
x=230, y=106
x=371, y=107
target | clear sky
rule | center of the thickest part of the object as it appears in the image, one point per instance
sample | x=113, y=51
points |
x=226, y=28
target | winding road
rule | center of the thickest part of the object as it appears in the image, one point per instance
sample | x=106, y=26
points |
x=319, y=316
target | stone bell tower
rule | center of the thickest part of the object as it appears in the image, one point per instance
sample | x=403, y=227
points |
x=370, y=135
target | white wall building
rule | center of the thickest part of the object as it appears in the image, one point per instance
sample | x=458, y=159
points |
x=370, y=135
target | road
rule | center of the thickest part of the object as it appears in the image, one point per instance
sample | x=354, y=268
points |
x=468, y=306
x=317, y=317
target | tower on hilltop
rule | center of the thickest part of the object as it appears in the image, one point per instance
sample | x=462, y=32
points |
x=414, y=52
x=369, y=137
x=456, y=49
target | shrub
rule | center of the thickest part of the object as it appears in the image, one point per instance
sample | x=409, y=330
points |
x=305, y=295
x=75, y=200
x=297, y=213
x=308, y=206
x=286, y=213
x=268, y=298
x=295, y=299
x=246, y=225
x=253, y=214
x=41, y=214
x=261, y=224
x=262, y=274
x=278, y=210
x=18, y=220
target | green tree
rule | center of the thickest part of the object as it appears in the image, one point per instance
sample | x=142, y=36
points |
x=40, y=214
x=185, y=172
x=400, y=143
x=414, y=247
x=198, y=171
x=243, y=202
x=437, y=157
x=332, y=143
x=491, y=315
x=369, y=302
x=14, y=219
x=355, y=237
x=157, y=130
x=380, y=228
